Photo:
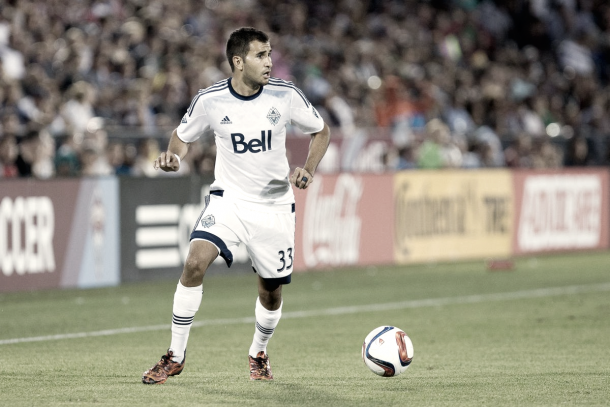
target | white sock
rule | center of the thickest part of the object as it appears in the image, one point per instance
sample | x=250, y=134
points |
x=266, y=321
x=186, y=305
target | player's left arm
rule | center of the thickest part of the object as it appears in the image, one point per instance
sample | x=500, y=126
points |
x=302, y=177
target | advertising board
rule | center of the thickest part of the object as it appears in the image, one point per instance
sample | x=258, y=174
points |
x=344, y=219
x=58, y=233
x=561, y=210
x=452, y=215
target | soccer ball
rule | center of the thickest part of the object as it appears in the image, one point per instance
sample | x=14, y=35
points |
x=387, y=351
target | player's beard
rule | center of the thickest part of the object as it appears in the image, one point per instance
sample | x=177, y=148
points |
x=255, y=81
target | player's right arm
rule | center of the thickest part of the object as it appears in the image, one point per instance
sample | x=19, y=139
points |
x=169, y=161
x=194, y=123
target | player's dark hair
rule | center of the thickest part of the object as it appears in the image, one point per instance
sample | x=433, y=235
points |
x=239, y=42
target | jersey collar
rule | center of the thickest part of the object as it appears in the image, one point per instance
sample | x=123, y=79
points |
x=240, y=97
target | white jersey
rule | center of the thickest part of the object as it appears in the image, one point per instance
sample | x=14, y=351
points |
x=250, y=135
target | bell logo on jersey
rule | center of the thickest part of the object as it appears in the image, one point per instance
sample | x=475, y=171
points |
x=254, y=146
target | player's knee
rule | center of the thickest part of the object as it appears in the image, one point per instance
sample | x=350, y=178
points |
x=195, y=266
x=270, y=302
x=270, y=294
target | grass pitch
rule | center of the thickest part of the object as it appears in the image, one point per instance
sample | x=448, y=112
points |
x=537, y=335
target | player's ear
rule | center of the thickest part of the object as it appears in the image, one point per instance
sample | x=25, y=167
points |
x=237, y=62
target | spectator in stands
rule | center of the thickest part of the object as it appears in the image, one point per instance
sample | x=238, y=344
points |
x=469, y=151
x=77, y=111
x=67, y=162
x=546, y=154
x=148, y=151
x=457, y=116
x=94, y=161
x=13, y=60
x=117, y=159
x=518, y=153
x=8, y=157
x=43, y=166
x=26, y=155
x=406, y=159
x=578, y=153
x=438, y=149
x=489, y=147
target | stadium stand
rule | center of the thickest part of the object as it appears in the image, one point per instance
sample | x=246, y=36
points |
x=95, y=87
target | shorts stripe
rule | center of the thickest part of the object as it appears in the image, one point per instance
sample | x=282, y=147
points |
x=280, y=280
x=207, y=202
x=225, y=253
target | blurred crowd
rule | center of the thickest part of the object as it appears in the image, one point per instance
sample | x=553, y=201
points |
x=94, y=87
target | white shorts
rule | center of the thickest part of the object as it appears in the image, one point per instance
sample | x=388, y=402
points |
x=266, y=230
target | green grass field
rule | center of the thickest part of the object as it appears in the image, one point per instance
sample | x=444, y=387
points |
x=537, y=335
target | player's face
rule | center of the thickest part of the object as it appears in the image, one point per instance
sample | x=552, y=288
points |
x=257, y=65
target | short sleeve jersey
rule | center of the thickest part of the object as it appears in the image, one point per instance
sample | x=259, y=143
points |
x=250, y=135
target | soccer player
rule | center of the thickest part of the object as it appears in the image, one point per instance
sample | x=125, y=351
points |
x=251, y=200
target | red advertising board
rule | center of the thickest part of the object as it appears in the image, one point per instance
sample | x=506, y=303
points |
x=65, y=232
x=345, y=219
x=59, y=233
x=560, y=210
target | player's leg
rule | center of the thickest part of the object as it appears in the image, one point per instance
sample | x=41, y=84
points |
x=268, y=311
x=187, y=300
x=189, y=291
x=272, y=255
x=210, y=237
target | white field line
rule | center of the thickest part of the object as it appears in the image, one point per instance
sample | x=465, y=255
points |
x=431, y=302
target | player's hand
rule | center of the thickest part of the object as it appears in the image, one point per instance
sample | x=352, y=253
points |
x=168, y=162
x=301, y=178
